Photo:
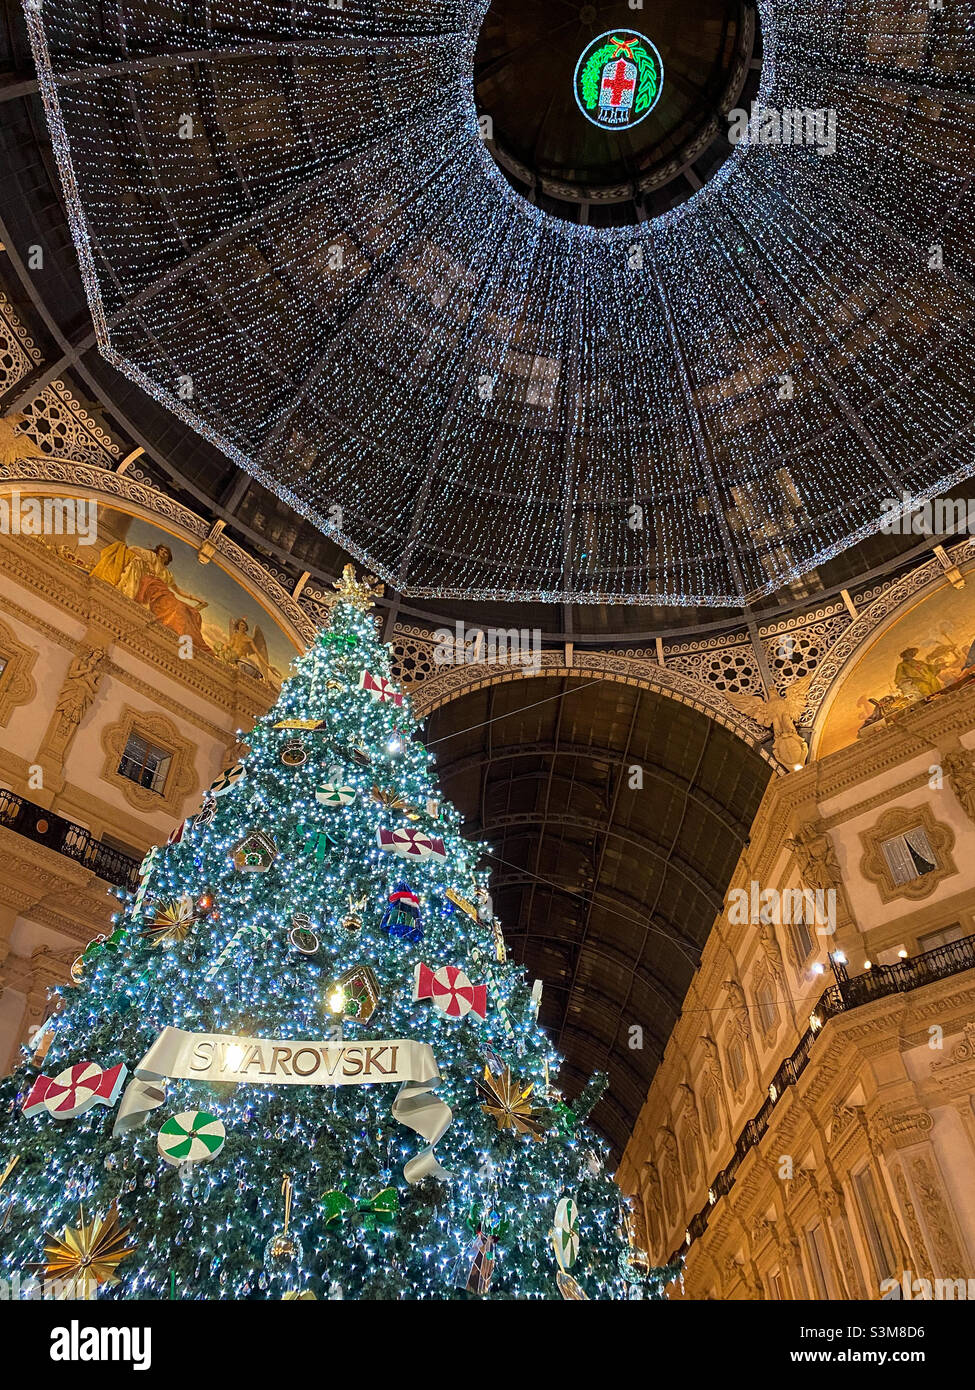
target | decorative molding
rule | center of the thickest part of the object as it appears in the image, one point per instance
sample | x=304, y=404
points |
x=896, y=821
x=451, y=682
x=59, y=425
x=907, y=1207
x=884, y=798
x=182, y=777
x=962, y=1052
x=948, y=1257
x=18, y=353
x=17, y=685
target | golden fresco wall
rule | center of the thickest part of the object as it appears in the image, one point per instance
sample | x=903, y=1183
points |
x=163, y=575
x=924, y=652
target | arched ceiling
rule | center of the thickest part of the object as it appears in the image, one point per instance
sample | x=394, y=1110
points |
x=606, y=890
x=50, y=301
x=473, y=394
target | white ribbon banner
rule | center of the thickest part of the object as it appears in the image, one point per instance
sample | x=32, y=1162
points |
x=220, y=1058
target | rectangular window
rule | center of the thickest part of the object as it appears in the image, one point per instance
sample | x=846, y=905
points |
x=819, y=1260
x=932, y=939
x=909, y=856
x=765, y=998
x=777, y=1284
x=690, y=1157
x=144, y=763
x=736, y=1065
x=876, y=1232
x=802, y=937
x=711, y=1112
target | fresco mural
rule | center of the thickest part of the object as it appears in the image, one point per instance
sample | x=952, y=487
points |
x=162, y=573
x=924, y=654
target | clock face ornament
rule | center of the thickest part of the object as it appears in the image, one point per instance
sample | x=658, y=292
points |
x=618, y=79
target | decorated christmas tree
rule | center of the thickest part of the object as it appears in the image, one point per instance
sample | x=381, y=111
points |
x=301, y=1064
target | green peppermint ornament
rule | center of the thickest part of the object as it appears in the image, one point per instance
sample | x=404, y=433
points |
x=192, y=1136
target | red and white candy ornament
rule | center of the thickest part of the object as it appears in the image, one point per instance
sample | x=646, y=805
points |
x=450, y=991
x=75, y=1090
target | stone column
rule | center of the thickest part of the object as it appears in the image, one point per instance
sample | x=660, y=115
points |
x=905, y=1145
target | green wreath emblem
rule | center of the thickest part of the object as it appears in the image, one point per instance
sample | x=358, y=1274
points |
x=647, y=69
x=589, y=81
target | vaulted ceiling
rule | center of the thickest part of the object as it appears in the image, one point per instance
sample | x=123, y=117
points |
x=615, y=817
x=50, y=300
x=330, y=278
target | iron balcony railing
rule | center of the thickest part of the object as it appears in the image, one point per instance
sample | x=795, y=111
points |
x=879, y=982
x=63, y=836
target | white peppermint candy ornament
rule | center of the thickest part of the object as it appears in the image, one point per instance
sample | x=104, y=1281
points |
x=227, y=780
x=335, y=794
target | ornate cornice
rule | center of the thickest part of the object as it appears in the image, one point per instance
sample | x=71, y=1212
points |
x=17, y=685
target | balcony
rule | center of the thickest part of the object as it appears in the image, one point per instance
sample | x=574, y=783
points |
x=64, y=837
x=879, y=982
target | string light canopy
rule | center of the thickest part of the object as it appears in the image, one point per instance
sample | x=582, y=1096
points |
x=292, y=233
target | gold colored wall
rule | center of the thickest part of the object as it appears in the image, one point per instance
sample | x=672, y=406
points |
x=81, y=665
x=858, y=1169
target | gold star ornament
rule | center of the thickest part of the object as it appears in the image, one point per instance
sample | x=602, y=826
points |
x=82, y=1257
x=388, y=797
x=362, y=594
x=171, y=920
x=509, y=1102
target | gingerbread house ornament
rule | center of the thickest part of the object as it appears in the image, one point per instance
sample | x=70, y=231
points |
x=255, y=853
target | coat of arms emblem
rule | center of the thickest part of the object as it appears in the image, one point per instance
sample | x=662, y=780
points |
x=618, y=79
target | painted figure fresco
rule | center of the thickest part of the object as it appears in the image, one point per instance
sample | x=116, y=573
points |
x=204, y=602
x=143, y=575
x=924, y=655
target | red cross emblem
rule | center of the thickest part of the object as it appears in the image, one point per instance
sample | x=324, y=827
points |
x=618, y=85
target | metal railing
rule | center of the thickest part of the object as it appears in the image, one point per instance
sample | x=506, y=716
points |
x=65, y=837
x=879, y=982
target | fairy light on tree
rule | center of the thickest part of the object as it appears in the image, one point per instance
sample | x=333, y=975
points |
x=284, y=1096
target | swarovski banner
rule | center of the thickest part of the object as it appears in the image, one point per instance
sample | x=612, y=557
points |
x=222, y=1058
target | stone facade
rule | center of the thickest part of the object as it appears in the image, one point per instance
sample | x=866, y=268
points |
x=833, y=1149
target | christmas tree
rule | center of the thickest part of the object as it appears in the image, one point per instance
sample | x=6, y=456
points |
x=301, y=1064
